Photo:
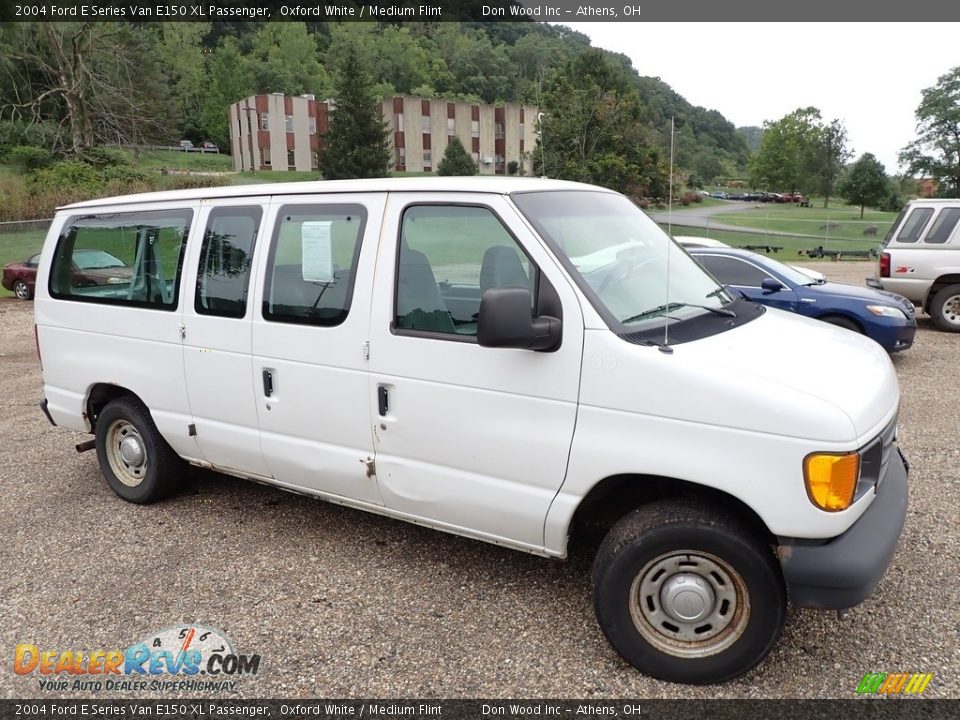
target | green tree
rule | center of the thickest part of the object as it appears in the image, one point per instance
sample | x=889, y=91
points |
x=228, y=80
x=356, y=142
x=284, y=59
x=865, y=183
x=782, y=161
x=456, y=161
x=96, y=82
x=826, y=157
x=179, y=47
x=936, y=151
x=592, y=130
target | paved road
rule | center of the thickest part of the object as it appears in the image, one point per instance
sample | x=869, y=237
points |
x=704, y=217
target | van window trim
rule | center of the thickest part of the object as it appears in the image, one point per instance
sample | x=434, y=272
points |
x=69, y=225
x=432, y=334
x=272, y=252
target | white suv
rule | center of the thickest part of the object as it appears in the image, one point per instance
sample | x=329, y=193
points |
x=921, y=260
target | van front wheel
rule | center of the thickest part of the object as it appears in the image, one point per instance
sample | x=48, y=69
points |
x=687, y=594
x=135, y=460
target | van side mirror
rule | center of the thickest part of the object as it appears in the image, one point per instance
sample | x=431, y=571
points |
x=770, y=285
x=505, y=321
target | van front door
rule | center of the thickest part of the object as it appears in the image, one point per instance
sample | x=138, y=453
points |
x=310, y=333
x=468, y=438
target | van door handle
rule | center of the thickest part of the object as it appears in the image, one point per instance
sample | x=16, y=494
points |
x=382, y=400
x=267, y=383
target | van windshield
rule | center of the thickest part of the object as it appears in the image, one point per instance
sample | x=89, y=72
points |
x=621, y=259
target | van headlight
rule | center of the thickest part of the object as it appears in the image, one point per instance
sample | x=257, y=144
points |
x=831, y=479
x=887, y=311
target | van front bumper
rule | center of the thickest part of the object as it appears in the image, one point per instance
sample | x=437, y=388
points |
x=843, y=571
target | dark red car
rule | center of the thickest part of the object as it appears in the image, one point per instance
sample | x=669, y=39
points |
x=90, y=267
x=20, y=277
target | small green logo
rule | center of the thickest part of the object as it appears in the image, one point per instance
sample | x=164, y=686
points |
x=894, y=683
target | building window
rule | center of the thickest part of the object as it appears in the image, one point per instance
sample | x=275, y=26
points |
x=425, y=123
x=265, y=156
x=400, y=158
x=426, y=158
x=264, y=121
x=312, y=125
x=521, y=131
x=498, y=131
x=451, y=126
x=400, y=122
x=289, y=122
x=476, y=158
x=475, y=128
x=291, y=160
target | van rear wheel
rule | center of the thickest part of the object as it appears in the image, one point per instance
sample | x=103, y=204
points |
x=688, y=594
x=945, y=309
x=135, y=460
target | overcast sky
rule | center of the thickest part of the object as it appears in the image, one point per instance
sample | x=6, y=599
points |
x=867, y=74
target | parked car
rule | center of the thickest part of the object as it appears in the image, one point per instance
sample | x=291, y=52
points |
x=20, y=277
x=90, y=268
x=921, y=260
x=885, y=317
x=207, y=145
x=690, y=241
x=513, y=384
x=186, y=145
x=719, y=195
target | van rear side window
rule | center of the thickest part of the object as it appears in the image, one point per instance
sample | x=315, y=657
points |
x=122, y=259
x=313, y=263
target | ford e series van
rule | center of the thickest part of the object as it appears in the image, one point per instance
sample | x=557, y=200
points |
x=520, y=361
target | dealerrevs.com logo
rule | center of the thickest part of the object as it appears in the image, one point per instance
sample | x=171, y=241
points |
x=187, y=657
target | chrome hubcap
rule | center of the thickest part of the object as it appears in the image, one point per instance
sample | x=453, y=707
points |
x=126, y=453
x=21, y=290
x=689, y=604
x=951, y=310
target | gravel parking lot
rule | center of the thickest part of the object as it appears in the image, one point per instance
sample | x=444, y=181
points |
x=340, y=603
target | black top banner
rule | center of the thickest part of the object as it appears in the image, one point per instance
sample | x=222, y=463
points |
x=398, y=11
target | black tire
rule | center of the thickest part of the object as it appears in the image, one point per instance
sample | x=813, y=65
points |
x=843, y=322
x=945, y=308
x=22, y=290
x=160, y=470
x=633, y=558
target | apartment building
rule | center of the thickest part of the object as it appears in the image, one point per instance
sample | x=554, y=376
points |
x=280, y=132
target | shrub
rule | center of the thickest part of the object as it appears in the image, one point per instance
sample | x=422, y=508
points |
x=29, y=157
x=512, y=167
x=103, y=157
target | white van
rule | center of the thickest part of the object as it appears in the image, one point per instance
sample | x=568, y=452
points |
x=921, y=260
x=520, y=361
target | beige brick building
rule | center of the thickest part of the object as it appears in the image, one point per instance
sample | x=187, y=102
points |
x=280, y=132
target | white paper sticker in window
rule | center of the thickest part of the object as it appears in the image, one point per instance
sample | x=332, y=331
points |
x=317, y=246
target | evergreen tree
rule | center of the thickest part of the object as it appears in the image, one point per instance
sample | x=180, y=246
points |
x=356, y=143
x=456, y=161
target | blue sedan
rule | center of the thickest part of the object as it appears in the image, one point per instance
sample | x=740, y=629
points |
x=885, y=317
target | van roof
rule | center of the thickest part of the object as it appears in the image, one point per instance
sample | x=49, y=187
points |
x=490, y=184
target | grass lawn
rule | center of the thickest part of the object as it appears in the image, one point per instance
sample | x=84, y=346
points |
x=173, y=160
x=272, y=176
x=791, y=247
x=845, y=222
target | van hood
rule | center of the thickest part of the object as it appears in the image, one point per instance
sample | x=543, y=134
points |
x=779, y=373
x=810, y=358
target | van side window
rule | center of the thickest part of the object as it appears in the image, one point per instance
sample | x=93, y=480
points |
x=122, y=259
x=914, y=225
x=943, y=226
x=448, y=256
x=313, y=263
x=224, y=273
